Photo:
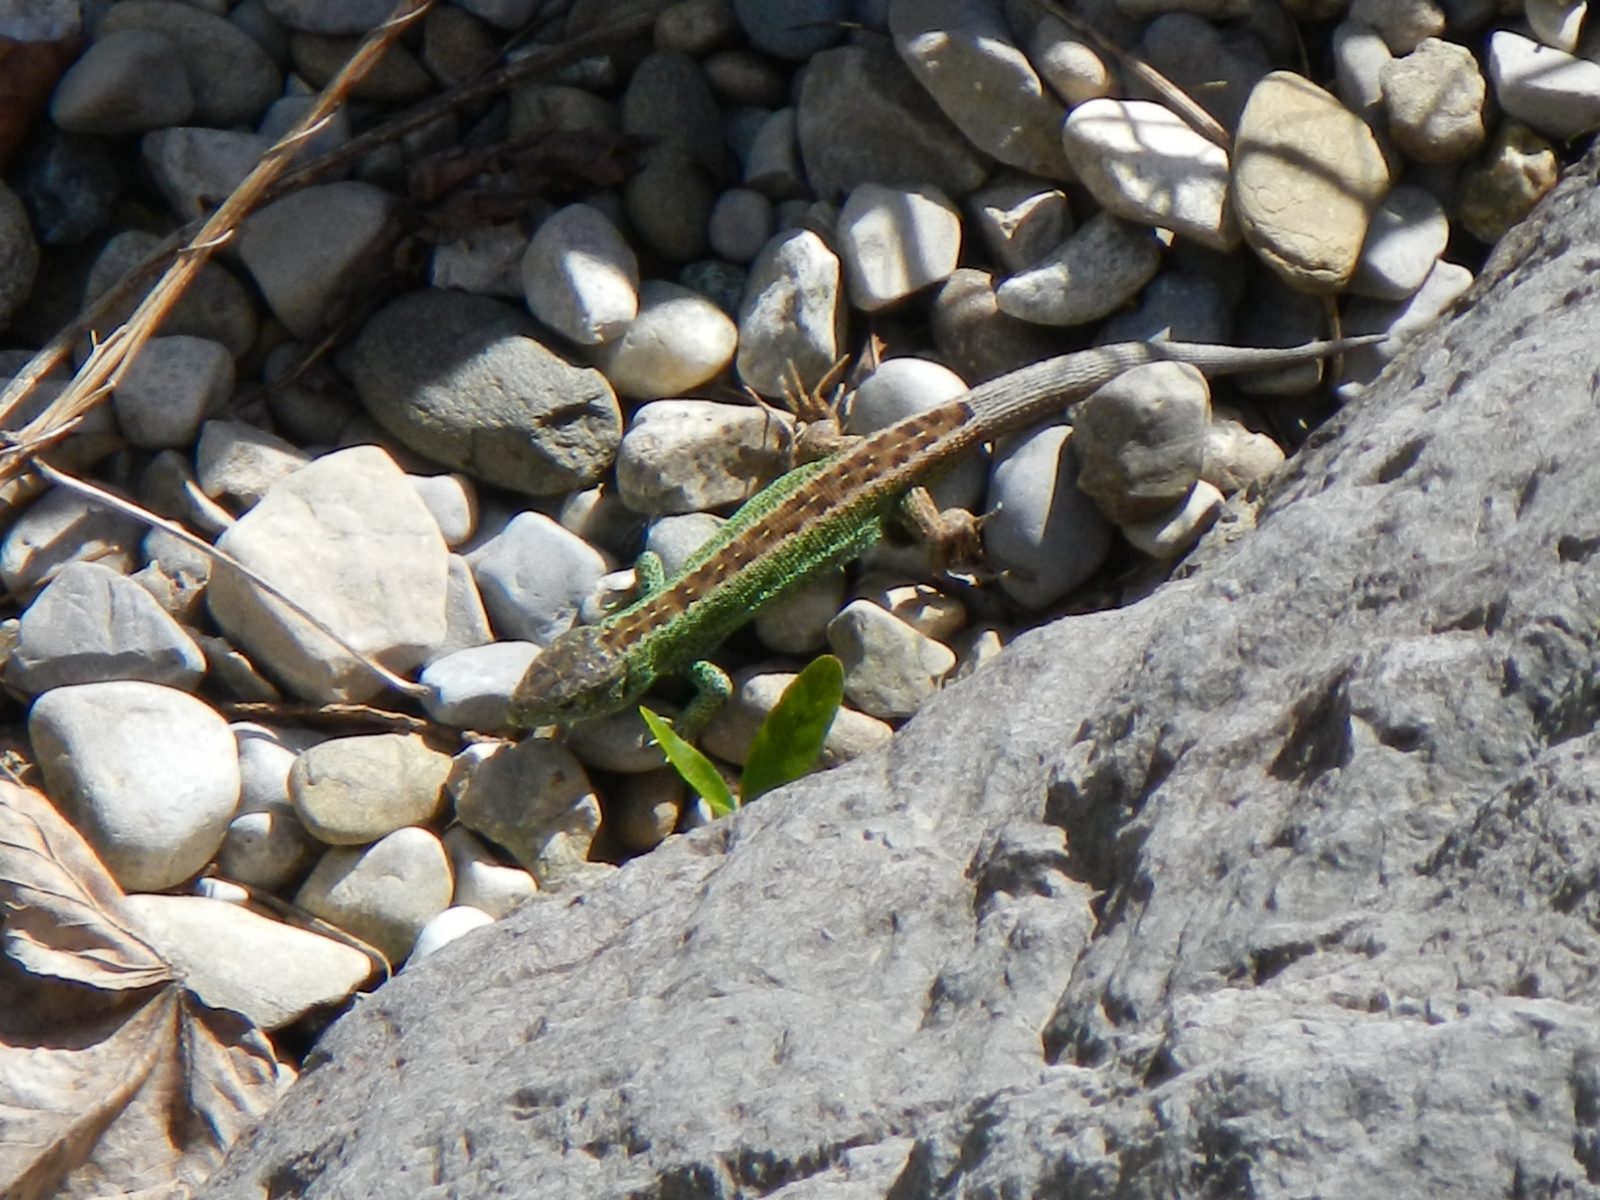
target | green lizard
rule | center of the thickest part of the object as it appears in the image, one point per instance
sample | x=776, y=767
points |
x=816, y=517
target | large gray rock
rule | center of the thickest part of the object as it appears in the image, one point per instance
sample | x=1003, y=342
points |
x=1281, y=882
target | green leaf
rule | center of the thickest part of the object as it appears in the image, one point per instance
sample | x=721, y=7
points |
x=790, y=739
x=697, y=770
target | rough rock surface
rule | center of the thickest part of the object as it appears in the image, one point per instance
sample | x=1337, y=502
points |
x=1281, y=882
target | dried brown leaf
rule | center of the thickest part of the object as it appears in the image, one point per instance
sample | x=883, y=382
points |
x=115, y=1080
x=64, y=912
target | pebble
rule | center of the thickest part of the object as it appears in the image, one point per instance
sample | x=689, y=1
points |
x=235, y=959
x=1557, y=23
x=1359, y=58
x=772, y=162
x=894, y=242
x=798, y=623
x=889, y=668
x=696, y=26
x=1172, y=534
x=1094, y=272
x=216, y=305
x=349, y=791
x=742, y=76
x=1504, y=184
x=534, y=799
x=1020, y=219
x=533, y=575
x=486, y=261
x=396, y=77
x=642, y=810
x=679, y=341
x=231, y=76
x=383, y=893
x=922, y=606
x=668, y=104
x=1555, y=92
x=1401, y=319
x=126, y=82
x=1307, y=176
x=1072, y=67
x=1435, y=99
x=166, y=392
x=319, y=16
x=453, y=501
x=446, y=927
x=196, y=168
x=732, y=730
x=471, y=688
x=62, y=527
x=620, y=742
x=686, y=455
x=482, y=880
x=975, y=338
x=91, y=625
x=741, y=222
x=19, y=254
x=1403, y=24
x=68, y=183
x=1140, y=439
x=325, y=534
x=1181, y=306
x=457, y=378
x=466, y=619
x=1217, y=66
x=792, y=29
x=268, y=848
x=862, y=117
x=1409, y=232
x=240, y=463
x=148, y=774
x=302, y=250
x=175, y=575
x=792, y=318
x=962, y=53
x=580, y=277
x=1041, y=533
x=1141, y=161
x=1236, y=456
x=675, y=539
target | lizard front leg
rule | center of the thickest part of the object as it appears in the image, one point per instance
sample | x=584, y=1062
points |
x=711, y=684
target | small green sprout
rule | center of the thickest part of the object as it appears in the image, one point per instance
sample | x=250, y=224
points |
x=786, y=746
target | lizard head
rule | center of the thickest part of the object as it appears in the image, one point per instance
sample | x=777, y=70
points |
x=574, y=678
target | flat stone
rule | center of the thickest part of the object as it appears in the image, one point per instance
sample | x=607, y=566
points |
x=962, y=52
x=148, y=774
x=125, y=82
x=460, y=379
x=231, y=76
x=1409, y=232
x=894, y=242
x=383, y=893
x=685, y=455
x=1094, y=272
x=304, y=250
x=862, y=117
x=1144, y=163
x=353, y=790
x=533, y=798
x=240, y=463
x=1556, y=93
x=679, y=341
x=1435, y=99
x=197, y=167
x=91, y=625
x=164, y=394
x=235, y=959
x=60, y=528
x=580, y=277
x=1041, y=533
x=1140, y=439
x=889, y=668
x=533, y=575
x=483, y=881
x=1307, y=176
x=324, y=535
